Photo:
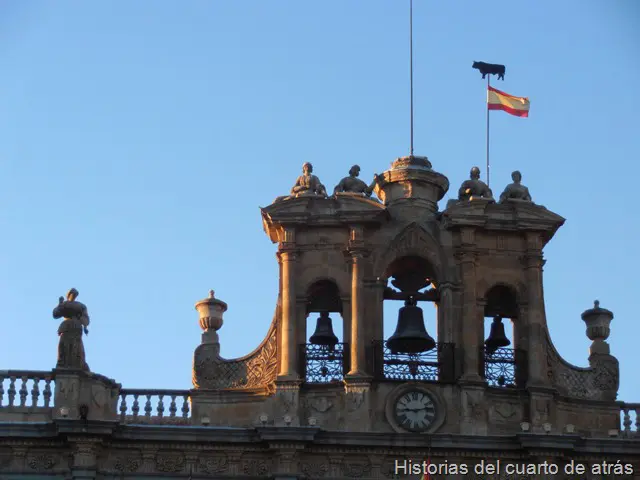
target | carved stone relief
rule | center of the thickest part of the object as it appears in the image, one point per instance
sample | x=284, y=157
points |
x=598, y=382
x=127, y=463
x=319, y=404
x=356, y=467
x=255, y=467
x=170, y=462
x=314, y=468
x=42, y=462
x=257, y=370
x=475, y=407
x=213, y=463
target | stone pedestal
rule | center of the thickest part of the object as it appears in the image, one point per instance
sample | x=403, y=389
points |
x=475, y=409
x=84, y=395
x=286, y=404
x=357, y=404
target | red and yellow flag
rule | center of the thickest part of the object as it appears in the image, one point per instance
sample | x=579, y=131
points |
x=497, y=100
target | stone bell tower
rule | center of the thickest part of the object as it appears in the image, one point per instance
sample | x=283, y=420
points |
x=343, y=256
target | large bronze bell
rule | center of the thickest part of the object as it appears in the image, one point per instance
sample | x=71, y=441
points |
x=411, y=335
x=497, y=337
x=324, y=331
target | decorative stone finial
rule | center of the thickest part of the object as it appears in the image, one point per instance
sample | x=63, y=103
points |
x=598, y=322
x=76, y=320
x=211, y=310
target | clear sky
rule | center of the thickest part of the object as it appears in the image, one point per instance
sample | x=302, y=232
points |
x=138, y=139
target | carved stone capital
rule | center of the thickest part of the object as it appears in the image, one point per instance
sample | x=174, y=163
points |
x=466, y=257
x=287, y=254
x=533, y=260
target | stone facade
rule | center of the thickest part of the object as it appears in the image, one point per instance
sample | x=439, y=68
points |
x=358, y=408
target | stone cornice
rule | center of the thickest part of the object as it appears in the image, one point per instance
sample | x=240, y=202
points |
x=321, y=212
x=314, y=439
x=514, y=217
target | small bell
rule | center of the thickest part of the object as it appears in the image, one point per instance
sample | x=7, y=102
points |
x=497, y=337
x=324, y=331
x=411, y=335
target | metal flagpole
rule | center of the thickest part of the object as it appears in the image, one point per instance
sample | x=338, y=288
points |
x=411, y=67
x=488, y=167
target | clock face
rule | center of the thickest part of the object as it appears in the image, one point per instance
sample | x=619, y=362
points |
x=415, y=411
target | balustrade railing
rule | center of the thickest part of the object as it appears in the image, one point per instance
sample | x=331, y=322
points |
x=630, y=419
x=324, y=363
x=154, y=406
x=26, y=390
x=436, y=364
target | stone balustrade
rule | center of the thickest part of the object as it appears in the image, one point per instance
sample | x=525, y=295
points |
x=155, y=406
x=630, y=419
x=24, y=391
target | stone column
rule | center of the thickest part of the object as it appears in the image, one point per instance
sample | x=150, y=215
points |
x=446, y=316
x=448, y=331
x=537, y=342
x=288, y=337
x=358, y=340
x=358, y=416
x=470, y=326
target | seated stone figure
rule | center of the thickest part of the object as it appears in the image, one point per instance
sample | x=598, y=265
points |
x=352, y=184
x=516, y=191
x=307, y=183
x=474, y=188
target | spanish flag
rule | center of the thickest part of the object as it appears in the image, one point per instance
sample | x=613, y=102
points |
x=497, y=100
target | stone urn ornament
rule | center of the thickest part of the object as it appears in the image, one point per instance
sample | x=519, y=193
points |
x=210, y=311
x=598, y=321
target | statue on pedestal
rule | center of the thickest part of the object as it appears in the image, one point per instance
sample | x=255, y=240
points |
x=76, y=320
x=515, y=190
x=308, y=184
x=474, y=188
x=352, y=184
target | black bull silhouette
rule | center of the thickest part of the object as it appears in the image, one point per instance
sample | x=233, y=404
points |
x=490, y=69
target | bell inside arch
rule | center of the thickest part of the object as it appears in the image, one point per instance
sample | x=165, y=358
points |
x=323, y=334
x=411, y=335
x=497, y=337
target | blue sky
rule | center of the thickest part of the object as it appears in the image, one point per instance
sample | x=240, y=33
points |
x=138, y=139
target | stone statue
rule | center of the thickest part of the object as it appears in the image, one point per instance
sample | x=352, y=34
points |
x=307, y=183
x=76, y=319
x=474, y=188
x=352, y=184
x=515, y=190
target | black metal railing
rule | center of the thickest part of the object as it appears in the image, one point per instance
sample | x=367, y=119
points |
x=500, y=368
x=324, y=363
x=435, y=365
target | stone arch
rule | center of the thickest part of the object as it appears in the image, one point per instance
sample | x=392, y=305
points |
x=517, y=289
x=504, y=299
x=412, y=241
x=313, y=275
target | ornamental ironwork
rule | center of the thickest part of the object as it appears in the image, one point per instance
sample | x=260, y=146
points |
x=324, y=363
x=435, y=365
x=500, y=368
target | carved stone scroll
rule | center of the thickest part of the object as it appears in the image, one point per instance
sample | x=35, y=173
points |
x=258, y=369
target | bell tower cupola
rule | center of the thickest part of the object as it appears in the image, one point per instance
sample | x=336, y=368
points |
x=411, y=183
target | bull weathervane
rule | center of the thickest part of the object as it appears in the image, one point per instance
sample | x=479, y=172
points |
x=490, y=69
